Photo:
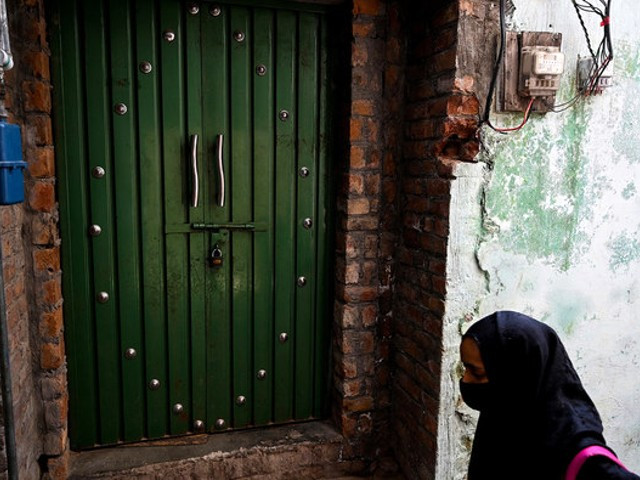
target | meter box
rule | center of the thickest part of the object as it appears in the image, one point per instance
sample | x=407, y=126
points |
x=540, y=70
x=11, y=164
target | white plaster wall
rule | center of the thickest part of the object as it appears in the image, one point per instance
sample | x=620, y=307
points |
x=548, y=223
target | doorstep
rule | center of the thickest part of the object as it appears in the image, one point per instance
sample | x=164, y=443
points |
x=299, y=451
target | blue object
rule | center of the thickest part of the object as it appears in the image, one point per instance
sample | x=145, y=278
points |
x=11, y=164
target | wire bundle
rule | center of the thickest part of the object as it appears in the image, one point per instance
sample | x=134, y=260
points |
x=602, y=57
x=604, y=54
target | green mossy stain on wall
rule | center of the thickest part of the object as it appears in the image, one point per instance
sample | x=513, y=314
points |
x=629, y=191
x=539, y=189
x=627, y=76
x=625, y=248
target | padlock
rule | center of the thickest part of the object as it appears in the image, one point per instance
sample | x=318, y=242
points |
x=215, y=259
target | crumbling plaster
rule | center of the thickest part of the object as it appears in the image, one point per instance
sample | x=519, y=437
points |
x=548, y=223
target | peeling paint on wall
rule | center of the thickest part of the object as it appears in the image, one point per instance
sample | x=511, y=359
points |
x=548, y=223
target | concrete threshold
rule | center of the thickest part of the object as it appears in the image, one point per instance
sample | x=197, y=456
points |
x=299, y=451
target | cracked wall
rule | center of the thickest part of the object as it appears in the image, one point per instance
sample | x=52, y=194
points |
x=548, y=223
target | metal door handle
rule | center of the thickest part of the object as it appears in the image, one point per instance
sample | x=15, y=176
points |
x=195, y=184
x=220, y=172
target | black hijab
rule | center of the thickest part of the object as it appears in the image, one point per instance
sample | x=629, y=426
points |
x=539, y=416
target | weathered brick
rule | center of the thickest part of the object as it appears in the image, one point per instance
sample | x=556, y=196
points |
x=358, y=206
x=50, y=293
x=362, y=107
x=52, y=355
x=358, y=404
x=37, y=96
x=51, y=324
x=42, y=197
x=41, y=162
x=359, y=55
x=47, y=260
x=58, y=467
x=37, y=64
x=43, y=230
x=368, y=7
x=364, y=29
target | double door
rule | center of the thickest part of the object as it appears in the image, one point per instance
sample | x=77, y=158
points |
x=192, y=167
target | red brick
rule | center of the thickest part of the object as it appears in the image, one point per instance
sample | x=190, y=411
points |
x=365, y=222
x=52, y=355
x=58, y=467
x=357, y=342
x=364, y=29
x=352, y=388
x=358, y=206
x=357, y=157
x=371, y=246
x=360, y=404
x=51, y=292
x=47, y=260
x=462, y=127
x=36, y=64
x=348, y=425
x=372, y=185
x=43, y=230
x=355, y=129
x=42, y=197
x=356, y=183
x=42, y=127
x=352, y=273
x=37, y=96
x=359, y=56
x=51, y=324
x=369, y=316
x=362, y=107
x=41, y=162
x=368, y=7
x=463, y=105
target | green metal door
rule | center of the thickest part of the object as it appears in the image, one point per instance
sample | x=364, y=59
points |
x=192, y=152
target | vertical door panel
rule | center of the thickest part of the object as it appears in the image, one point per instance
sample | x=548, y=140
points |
x=74, y=209
x=263, y=205
x=151, y=221
x=241, y=212
x=324, y=233
x=99, y=154
x=215, y=105
x=197, y=245
x=176, y=188
x=285, y=222
x=127, y=242
x=306, y=202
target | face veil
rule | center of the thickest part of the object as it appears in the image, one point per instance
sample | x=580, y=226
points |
x=539, y=415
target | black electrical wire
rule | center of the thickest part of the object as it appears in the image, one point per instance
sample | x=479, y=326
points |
x=497, y=65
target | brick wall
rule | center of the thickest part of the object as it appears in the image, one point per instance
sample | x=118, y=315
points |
x=32, y=266
x=367, y=231
x=440, y=127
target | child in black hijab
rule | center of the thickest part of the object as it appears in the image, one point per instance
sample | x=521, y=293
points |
x=535, y=416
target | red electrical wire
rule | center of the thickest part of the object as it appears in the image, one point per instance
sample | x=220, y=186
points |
x=515, y=129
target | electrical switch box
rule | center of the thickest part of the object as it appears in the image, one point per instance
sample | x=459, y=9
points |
x=540, y=70
x=533, y=67
x=590, y=81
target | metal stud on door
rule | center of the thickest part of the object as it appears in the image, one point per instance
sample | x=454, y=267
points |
x=194, y=215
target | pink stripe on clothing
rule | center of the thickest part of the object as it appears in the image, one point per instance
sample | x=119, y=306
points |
x=583, y=455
